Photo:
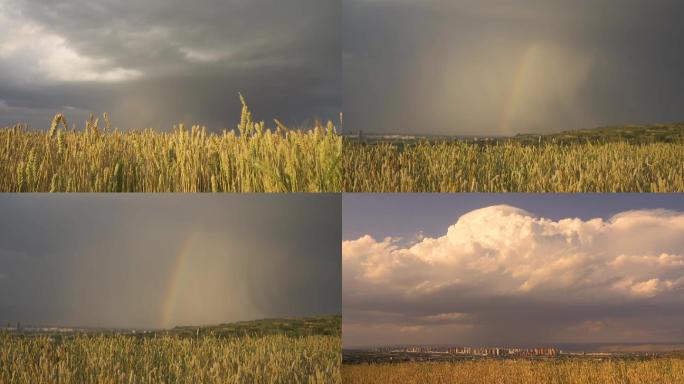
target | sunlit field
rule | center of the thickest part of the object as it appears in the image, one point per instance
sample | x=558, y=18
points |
x=169, y=359
x=209, y=356
x=659, y=370
x=516, y=165
x=253, y=158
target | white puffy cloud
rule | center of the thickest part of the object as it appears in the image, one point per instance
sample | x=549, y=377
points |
x=501, y=262
x=506, y=250
x=49, y=56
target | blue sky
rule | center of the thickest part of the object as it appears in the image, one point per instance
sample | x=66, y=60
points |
x=403, y=215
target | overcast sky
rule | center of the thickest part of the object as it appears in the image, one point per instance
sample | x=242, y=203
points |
x=502, y=269
x=500, y=67
x=160, y=62
x=150, y=261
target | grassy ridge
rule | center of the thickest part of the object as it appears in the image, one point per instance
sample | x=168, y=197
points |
x=627, y=160
x=633, y=134
x=658, y=370
x=265, y=351
x=307, y=326
x=256, y=159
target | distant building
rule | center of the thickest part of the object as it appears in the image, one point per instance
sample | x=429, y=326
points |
x=499, y=352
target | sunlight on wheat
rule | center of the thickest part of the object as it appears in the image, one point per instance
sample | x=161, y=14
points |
x=97, y=159
x=658, y=370
x=513, y=167
x=169, y=359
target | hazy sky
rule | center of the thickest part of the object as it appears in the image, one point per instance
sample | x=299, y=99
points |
x=163, y=260
x=502, y=269
x=492, y=67
x=160, y=62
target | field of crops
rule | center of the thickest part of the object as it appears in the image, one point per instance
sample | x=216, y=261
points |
x=97, y=159
x=456, y=166
x=659, y=370
x=169, y=359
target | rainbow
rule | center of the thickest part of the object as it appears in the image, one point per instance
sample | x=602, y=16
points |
x=179, y=265
x=520, y=79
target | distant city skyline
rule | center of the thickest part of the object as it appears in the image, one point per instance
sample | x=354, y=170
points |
x=559, y=347
x=512, y=269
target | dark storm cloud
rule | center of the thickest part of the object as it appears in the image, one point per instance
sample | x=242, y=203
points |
x=507, y=320
x=499, y=67
x=160, y=62
x=500, y=275
x=165, y=260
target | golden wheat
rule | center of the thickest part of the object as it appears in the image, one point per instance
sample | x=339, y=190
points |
x=169, y=359
x=659, y=370
x=513, y=167
x=96, y=159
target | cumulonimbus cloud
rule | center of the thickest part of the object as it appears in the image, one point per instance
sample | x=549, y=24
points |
x=505, y=250
x=500, y=257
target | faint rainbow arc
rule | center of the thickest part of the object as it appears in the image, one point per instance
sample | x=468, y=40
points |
x=519, y=80
x=179, y=265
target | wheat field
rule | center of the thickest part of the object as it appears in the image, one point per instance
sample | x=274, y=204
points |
x=97, y=159
x=513, y=167
x=658, y=370
x=169, y=359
